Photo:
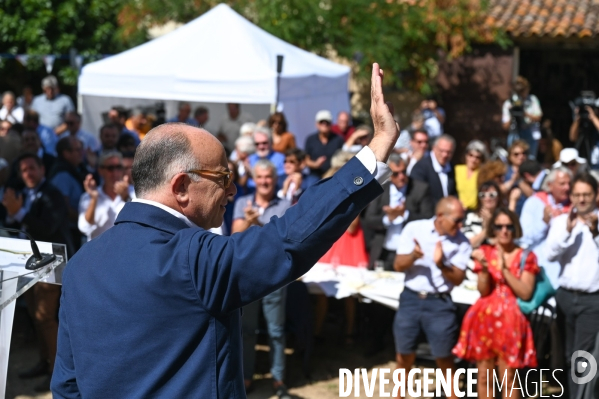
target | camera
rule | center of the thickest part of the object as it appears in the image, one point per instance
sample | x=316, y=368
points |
x=587, y=99
x=517, y=112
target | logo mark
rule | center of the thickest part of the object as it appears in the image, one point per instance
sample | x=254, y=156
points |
x=580, y=366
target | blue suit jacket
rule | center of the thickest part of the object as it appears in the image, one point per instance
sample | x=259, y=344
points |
x=151, y=308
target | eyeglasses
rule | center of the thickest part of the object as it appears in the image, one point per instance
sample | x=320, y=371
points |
x=582, y=195
x=227, y=176
x=112, y=168
x=488, y=194
x=259, y=143
x=399, y=172
x=499, y=227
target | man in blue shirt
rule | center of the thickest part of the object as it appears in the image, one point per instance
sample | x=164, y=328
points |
x=31, y=121
x=184, y=111
x=263, y=143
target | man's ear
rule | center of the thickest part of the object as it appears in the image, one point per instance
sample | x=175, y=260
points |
x=179, y=187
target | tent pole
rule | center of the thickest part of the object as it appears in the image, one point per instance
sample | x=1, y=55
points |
x=279, y=70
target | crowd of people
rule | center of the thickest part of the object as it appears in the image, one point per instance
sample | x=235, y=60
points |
x=502, y=216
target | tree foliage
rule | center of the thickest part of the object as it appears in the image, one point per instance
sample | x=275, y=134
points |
x=39, y=27
x=407, y=37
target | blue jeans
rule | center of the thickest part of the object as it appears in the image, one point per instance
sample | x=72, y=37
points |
x=273, y=306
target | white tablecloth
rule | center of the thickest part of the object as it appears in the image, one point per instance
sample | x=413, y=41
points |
x=381, y=287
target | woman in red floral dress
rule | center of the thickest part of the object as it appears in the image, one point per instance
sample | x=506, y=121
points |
x=494, y=331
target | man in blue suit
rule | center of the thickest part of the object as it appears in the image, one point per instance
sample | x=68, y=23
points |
x=151, y=308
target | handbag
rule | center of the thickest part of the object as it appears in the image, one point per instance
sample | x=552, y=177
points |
x=543, y=289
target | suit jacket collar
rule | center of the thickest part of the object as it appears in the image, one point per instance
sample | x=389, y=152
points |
x=150, y=216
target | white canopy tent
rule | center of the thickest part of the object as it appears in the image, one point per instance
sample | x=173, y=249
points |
x=215, y=59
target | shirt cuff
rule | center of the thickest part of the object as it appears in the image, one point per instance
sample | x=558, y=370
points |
x=379, y=170
x=386, y=221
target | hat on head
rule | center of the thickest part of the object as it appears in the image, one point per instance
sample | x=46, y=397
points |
x=324, y=115
x=568, y=155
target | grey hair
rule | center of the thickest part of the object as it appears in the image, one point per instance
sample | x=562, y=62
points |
x=262, y=130
x=553, y=175
x=157, y=161
x=478, y=146
x=245, y=144
x=447, y=138
x=109, y=154
x=395, y=159
x=247, y=129
x=49, y=81
x=265, y=164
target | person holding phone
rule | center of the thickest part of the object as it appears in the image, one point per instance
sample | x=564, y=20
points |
x=494, y=330
x=573, y=242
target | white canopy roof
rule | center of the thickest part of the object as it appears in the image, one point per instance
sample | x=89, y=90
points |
x=221, y=57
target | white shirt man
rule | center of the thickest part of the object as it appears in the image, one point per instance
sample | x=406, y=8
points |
x=573, y=241
x=99, y=206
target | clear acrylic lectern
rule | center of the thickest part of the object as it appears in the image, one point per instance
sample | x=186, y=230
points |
x=15, y=280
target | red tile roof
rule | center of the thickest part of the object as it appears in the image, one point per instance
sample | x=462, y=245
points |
x=545, y=18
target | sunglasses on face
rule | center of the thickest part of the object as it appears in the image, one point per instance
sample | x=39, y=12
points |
x=112, y=168
x=488, y=194
x=325, y=122
x=499, y=227
x=399, y=172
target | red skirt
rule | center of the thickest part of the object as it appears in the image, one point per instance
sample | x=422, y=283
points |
x=349, y=250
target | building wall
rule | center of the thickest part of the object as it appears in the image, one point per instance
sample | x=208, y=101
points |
x=472, y=90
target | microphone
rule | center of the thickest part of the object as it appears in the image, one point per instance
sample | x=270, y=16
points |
x=37, y=260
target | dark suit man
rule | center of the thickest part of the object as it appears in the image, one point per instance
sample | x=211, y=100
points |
x=40, y=210
x=159, y=314
x=435, y=169
x=385, y=221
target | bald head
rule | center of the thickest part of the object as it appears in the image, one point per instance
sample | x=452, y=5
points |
x=447, y=205
x=169, y=149
x=450, y=216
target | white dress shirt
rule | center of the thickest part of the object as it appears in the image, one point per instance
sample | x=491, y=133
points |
x=442, y=171
x=425, y=275
x=394, y=227
x=577, y=254
x=107, y=209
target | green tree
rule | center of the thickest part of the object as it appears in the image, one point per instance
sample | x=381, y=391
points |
x=407, y=37
x=38, y=27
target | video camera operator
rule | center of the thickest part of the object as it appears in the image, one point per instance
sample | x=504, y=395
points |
x=521, y=115
x=585, y=127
